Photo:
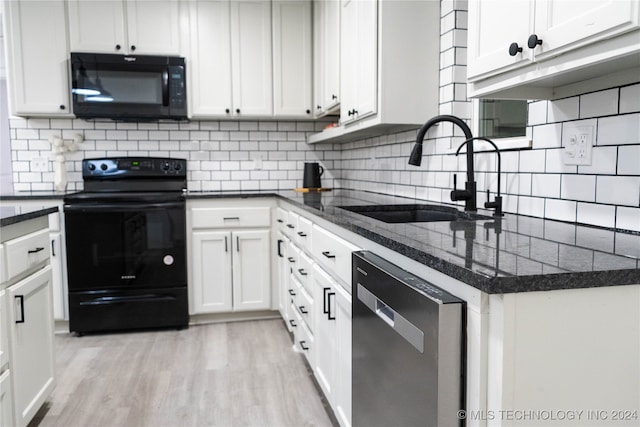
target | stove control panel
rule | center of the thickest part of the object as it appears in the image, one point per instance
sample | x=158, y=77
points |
x=133, y=167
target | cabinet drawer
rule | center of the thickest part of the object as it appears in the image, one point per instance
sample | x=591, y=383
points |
x=303, y=337
x=230, y=217
x=27, y=252
x=304, y=303
x=282, y=218
x=291, y=225
x=303, y=233
x=334, y=253
x=4, y=337
x=302, y=270
x=3, y=270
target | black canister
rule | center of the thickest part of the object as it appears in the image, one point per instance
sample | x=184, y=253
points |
x=312, y=173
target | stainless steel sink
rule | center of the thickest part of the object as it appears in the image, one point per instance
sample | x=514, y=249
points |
x=414, y=213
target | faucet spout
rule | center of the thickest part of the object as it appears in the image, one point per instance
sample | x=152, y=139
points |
x=469, y=194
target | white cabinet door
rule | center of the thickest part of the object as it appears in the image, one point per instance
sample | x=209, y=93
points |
x=212, y=279
x=251, y=57
x=210, y=59
x=342, y=403
x=358, y=60
x=496, y=25
x=130, y=27
x=561, y=24
x=292, y=58
x=97, y=26
x=57, y=275
x=153, y=27
x=6, y=399
x=325, y=332
x=4, y=332
x=251, y=270
x=37, y=58
x=282, y=281
x=330, y=54
x=31, y=336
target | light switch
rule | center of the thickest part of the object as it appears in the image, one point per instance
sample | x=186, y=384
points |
x=578, y=148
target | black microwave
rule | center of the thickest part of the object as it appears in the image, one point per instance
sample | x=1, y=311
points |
x=128, y=87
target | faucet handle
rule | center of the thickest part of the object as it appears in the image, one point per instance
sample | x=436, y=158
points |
x=496, y=204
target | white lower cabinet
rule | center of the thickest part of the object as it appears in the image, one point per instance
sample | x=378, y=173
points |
x=231, y=271
x=6, y=399
x=326, y=332
x=282, y=276
x=6, y=395
x=342, y=402
x=333, y=343
x=31, y=336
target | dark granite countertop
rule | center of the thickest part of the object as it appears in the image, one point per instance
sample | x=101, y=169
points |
x=15, y=214
x=35, y=195
x=512, y=254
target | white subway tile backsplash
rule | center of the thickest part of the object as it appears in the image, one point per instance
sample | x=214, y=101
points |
x=537, y=113
x=602, y=215
x=630, y=99
x=562, y=210
x=628, y=218
x=563, y=110
x=578, y=187
x=603, y=161
x=532, y=206
x=602, y=103
x=619, y=130
x=629, y=160
x=532, y=161
x=547, y=136
x=545, y=185
x=618, y=190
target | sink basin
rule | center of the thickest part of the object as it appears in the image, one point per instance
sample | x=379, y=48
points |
x=414, y=213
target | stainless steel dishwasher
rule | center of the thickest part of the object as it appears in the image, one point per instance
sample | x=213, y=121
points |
x=408, y=348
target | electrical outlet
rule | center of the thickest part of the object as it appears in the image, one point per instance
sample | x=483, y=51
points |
x=578, y=148
x=39, y=164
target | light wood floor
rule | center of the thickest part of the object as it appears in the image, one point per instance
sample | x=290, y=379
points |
x=225, y=374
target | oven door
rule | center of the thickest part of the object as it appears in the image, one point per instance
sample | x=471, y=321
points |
x=125, y=245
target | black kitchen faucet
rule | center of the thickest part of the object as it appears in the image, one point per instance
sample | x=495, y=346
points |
x=469, y=192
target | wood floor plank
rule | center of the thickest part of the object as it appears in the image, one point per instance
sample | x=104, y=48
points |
x=222, y=375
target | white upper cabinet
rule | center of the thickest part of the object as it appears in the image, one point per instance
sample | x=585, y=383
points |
x=358, y=60
x=129, y=27
x=292, y=63
x=210, y=92
x=389, y=68
x=251, y=57
x=230, y=59
x=326, y=18
x=534, y=49
x=37, y=65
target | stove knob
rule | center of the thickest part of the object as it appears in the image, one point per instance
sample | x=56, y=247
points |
x=92, y=167
x=103, y=166
x=165, y=165
x=177, y=166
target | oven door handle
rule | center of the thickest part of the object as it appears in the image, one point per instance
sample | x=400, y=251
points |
x=122, y=207
x=131, y=298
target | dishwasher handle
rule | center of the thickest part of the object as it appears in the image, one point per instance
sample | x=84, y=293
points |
x=407, y=330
